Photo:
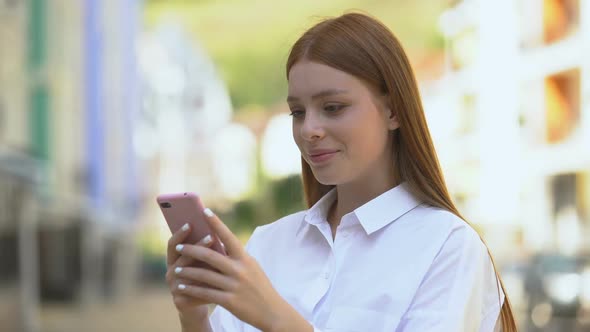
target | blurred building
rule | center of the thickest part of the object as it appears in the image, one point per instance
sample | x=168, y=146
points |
x=511, y=118
x=68, y=176
x=185, y=135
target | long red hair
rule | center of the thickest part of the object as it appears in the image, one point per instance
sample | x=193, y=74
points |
x=364, y=47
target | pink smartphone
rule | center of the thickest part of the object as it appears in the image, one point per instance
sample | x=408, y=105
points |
x=181, y=208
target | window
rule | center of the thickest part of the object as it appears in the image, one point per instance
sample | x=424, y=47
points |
x=562, y=105
x=560, y=19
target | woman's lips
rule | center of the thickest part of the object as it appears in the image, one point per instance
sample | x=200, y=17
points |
x=319, y=158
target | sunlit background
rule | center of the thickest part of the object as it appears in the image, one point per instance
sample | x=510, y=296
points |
x=106, y=103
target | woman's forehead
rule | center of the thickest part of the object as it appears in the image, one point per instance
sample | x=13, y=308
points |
x=307, y=79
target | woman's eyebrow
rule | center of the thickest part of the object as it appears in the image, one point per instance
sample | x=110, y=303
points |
x=320, y=94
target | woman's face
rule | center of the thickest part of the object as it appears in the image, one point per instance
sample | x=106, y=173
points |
x=339, y=124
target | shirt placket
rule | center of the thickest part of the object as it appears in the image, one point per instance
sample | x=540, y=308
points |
x=319, y=287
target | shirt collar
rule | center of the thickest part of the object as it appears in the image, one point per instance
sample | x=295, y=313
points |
x=386, y=208
x=373, y=215
x=318, y=213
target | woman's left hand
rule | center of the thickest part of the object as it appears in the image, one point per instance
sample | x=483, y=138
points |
x=239, y=284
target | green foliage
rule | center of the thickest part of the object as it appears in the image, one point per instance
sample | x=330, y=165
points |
x=245, y=215
x=253, y=78
x=249, y=40
x=287, y=195
x=278, y=199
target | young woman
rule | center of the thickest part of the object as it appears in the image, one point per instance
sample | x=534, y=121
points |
x=381, y=247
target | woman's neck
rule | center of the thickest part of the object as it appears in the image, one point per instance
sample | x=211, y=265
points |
x=351, y=196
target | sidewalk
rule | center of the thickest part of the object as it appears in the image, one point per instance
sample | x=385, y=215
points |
x=151, y=310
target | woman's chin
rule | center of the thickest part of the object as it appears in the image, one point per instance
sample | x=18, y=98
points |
x=326, y=180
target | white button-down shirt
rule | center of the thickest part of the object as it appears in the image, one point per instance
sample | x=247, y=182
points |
x=394, y=265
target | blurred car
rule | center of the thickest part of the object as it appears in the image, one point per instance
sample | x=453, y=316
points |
x=558, y=281
x=585, y=288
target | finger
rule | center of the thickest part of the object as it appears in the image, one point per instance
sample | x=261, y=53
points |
x=176, y=238
x=204, y=276
x=206, y=255
x=232, y=245
x=206, y=241
x=185, y=260
x=173, y=280
x=210, y=295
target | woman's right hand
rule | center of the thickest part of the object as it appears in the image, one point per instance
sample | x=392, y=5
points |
x=189, y=308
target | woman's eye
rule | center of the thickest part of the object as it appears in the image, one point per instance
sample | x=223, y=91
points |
x=296, y=113
x=333, y=108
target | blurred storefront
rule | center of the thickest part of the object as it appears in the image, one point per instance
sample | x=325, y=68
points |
x=68, y=188
x=511, y=118
x=185, y=135
x=515, y=146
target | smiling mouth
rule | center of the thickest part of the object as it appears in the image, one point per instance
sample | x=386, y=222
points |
x=322, y=157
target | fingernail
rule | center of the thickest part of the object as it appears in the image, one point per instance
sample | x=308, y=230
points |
x=179, y=247
x=206, y=240
x=177, y=270
x=181, y=286
x=185, y=227
x=208, y=212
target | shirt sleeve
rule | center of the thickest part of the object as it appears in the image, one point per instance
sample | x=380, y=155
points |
x=460, y=291
x=222, y=320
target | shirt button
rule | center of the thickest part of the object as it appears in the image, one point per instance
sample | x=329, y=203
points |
x=327, y=275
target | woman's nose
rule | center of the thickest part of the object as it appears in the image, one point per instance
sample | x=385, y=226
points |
x=312, y=127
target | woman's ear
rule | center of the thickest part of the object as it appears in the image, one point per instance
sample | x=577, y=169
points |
x=392, y=121
x=391, y=117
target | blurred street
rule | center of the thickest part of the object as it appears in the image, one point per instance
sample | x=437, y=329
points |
x=150, y=310
x=559, y=325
